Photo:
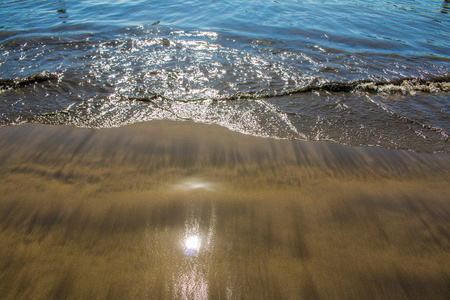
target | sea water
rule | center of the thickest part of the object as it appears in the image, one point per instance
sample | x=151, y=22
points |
x=355, y=72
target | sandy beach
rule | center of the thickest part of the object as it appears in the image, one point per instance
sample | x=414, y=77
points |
x=178, y=210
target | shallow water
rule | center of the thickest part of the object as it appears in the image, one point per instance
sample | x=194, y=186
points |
x=361, y=74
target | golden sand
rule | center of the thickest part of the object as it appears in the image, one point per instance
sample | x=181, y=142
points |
x=181, y=210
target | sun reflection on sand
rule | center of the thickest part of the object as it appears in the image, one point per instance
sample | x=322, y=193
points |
x=189, y=184
x=192, y=284
x=191, y=280
x=192, y=245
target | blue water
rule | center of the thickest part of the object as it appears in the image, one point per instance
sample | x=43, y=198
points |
x=355, y=72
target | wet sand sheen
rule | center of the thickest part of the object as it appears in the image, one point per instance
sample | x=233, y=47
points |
x=182, y=210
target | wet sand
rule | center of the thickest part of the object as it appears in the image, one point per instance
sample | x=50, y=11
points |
x=182, y=210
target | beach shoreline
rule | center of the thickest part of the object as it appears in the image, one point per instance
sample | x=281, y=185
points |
x=183, y=210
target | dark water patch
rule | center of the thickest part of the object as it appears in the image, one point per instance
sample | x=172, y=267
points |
x=6, y=84
x=445, y=7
